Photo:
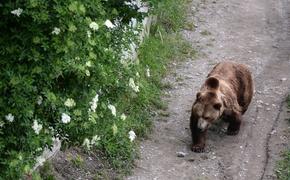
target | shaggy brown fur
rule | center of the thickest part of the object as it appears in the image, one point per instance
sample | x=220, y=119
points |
x=226, y=93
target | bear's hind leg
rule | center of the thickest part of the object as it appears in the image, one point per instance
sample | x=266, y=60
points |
x=234, y=124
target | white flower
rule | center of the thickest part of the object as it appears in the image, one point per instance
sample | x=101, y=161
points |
x=94, y=26
x=94, y=102
x=132, y=135
x=138, y=75
x=113, y=109
x=133, y=3
x=123, y=117
x=148, y=72
x=69, y=102
x=55, y=31
x=133, y=23
x=89, y=63
x=133, y=85
x=40, y=160
x=109, y=24
x=87, y=143
x=95, y=139
x=65, y=118
x=143, y=9
x=39, y=100
x=17, y=12
x=138, y=3
x=88, y=73
x=9, y=117
x=36, y=127
x=136, y=32
x=89, y=34
x=128, y=3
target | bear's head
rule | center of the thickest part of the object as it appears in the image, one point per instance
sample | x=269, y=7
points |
x=208, y=106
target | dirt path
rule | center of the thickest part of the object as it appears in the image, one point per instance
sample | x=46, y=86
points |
x=256, y=33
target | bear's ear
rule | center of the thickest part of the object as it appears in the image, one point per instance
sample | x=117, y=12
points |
x=212, y=82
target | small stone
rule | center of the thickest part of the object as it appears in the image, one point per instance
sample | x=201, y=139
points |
x=283, y=79
x=268, y=109
x=191, y=160
x=259, y=106
x=273, y=132
x=259, y=92
x=181, y=154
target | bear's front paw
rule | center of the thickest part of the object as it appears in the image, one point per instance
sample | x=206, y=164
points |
x=232, y=132
x=197, y=148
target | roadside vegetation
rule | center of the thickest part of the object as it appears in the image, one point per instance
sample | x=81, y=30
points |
x=283, y=166
x=74, y=76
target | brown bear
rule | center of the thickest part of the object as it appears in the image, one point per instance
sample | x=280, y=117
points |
x=226, y=93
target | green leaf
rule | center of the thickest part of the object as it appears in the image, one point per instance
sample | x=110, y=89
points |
x=72, y=27
x=82, y=9
x=73, y=6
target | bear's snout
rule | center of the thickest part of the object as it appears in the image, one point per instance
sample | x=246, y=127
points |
x=202, y=124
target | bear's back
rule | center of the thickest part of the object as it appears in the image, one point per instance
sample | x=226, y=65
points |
x=238, y=78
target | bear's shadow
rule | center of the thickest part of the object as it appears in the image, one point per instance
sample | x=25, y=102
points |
x=218, y=129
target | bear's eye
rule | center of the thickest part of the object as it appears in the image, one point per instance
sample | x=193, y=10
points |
x=198, y=96
x=206, y=118
x=217, y=106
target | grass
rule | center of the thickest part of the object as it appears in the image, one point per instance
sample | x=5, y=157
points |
x=283, y=166
x=205, y=33
x=170, y=14
x=163, y=45
x=77, y=161
x=46, y=171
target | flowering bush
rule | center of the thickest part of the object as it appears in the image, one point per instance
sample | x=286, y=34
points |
x=68, y=71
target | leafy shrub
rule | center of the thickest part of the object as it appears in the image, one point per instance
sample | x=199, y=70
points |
x=63, y=70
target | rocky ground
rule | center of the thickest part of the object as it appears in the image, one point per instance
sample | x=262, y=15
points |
x=253, y=32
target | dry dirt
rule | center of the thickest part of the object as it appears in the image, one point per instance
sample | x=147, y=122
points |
x=253, y=32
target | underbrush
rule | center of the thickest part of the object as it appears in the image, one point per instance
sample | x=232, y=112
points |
x=69, y=71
